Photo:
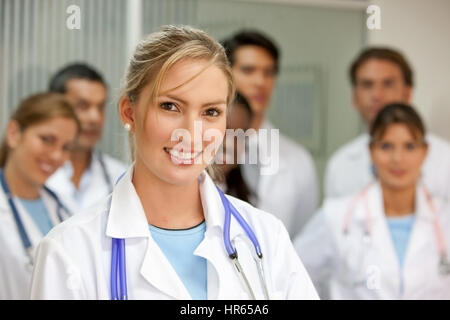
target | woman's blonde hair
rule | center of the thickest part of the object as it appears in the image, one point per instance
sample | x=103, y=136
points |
x=160, y=50
x=36, y=109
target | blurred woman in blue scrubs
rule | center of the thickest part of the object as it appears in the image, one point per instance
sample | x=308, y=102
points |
x=37, y=141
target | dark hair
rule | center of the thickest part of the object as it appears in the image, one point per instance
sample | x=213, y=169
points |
x=58, y=82
x=397, y=113
x=240, y=101
x=236, y=185
x=234, y=180
x=36, y=109
x=382, y=53
x=250, y=38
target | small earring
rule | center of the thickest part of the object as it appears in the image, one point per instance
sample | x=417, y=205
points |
x=127, y=126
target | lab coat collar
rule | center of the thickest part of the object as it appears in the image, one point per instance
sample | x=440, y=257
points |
x=127, y=217
x=360, y=143
x=67, y=167
x=376, y=203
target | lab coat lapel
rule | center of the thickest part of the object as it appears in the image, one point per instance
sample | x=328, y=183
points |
x=158, y=271
x=212, y=247
x=422, y=242
x=52, y=208
x=223, y=281
x=33, y=232
x=127, y=220
x=383, y=247
x=126, y=215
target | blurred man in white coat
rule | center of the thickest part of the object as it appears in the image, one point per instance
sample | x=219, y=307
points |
x=380, y=76
x=90, y=175
x=285, y=182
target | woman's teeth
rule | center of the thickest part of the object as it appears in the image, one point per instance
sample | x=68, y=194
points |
x=46, y=167
x=182, y=155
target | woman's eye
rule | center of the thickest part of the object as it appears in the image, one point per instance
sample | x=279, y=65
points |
x=385, y=146
x=213, y=112
x=47, y=139
x=68, y=147
x=81, y=106
x=410, y=146
x=169, y=106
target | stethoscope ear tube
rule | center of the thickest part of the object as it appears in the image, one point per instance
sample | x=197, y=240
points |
x=122, y=270
x=118, y=270
x=226, y=226
x=114, y=292
x=232, y=252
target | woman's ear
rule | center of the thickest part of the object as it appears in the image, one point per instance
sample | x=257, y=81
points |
x=127, y=111
x=13, y=134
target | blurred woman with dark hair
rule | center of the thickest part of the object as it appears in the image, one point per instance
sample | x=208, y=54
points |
x=391, y=239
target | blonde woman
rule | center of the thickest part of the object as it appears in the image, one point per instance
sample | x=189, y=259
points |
x=167, y=232
x=38, y=138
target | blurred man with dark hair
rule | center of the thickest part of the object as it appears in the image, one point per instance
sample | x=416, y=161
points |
x=291, y=193
x=380, y=76
x=89, y=175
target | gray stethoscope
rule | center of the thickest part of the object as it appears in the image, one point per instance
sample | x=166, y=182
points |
x=118, y=269
x=444, y=264
x=21, y=228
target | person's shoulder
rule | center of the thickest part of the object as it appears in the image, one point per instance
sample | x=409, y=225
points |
x=89, y=221
x=60, y=177
x=114, y=162
x=288, y=144
x=352, y=148
x=334, y=208
x=438, y=142
x=293, y=152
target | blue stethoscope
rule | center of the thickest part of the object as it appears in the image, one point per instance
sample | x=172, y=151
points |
x=21, y=228
x=118, y=268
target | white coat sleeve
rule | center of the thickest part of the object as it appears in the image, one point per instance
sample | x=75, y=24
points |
x=317, y=251
x=291, y=278
x=54, y=275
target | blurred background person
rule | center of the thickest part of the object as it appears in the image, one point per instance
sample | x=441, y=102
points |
x=90, y=174
x=239, y=120
x=37, y=142
x=380, y=76
x=390, y=239
x=292, y=192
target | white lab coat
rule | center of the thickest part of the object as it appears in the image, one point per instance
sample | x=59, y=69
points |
x=73, y=261
x=15, y=270
x=292, y=193
x=93, y=186
x=349, y=169
x=355, y=270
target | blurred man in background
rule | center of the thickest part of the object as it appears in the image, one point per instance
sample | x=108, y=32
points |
x=380, y=76
x=291, y=192
x=89, y=175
